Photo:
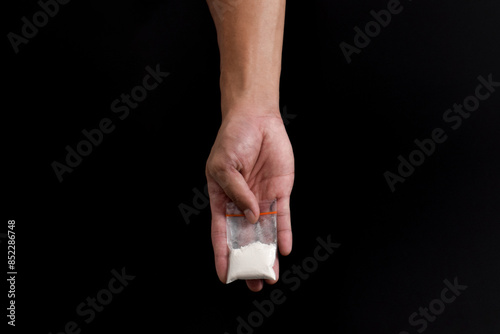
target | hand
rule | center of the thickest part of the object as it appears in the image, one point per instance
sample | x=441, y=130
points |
x=251, y=160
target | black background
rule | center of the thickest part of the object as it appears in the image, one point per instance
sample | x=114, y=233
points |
x=119, y=207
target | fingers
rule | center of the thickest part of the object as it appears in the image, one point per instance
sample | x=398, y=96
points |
x=255, y=285
x=219, y=239
x=219, y=242
x=226, y=184
x=284, y=226
x=237, y=189
x=223, y=184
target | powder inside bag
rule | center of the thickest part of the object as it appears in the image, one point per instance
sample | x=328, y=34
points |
x=252, y=261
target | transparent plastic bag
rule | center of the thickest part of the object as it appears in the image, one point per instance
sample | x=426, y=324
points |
x=252, y=247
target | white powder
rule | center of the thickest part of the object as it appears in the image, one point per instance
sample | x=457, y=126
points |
x=252, y=261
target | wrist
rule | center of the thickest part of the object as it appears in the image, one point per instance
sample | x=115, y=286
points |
x=249, y=97
x=251, y=109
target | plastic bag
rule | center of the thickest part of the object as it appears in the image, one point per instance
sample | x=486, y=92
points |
x=252, y=247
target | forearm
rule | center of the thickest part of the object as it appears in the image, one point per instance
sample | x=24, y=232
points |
x=250, y=37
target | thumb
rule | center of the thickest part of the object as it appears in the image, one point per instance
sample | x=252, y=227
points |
x=237, y=189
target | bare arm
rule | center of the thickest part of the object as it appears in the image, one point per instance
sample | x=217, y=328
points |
x=252, y=158
x=250, y=37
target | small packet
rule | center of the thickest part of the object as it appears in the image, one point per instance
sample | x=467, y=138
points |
x=252, y=247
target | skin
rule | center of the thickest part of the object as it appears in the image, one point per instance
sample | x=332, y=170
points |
x=252, y=158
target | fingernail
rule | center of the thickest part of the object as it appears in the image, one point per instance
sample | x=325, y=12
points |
x=250, y=216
